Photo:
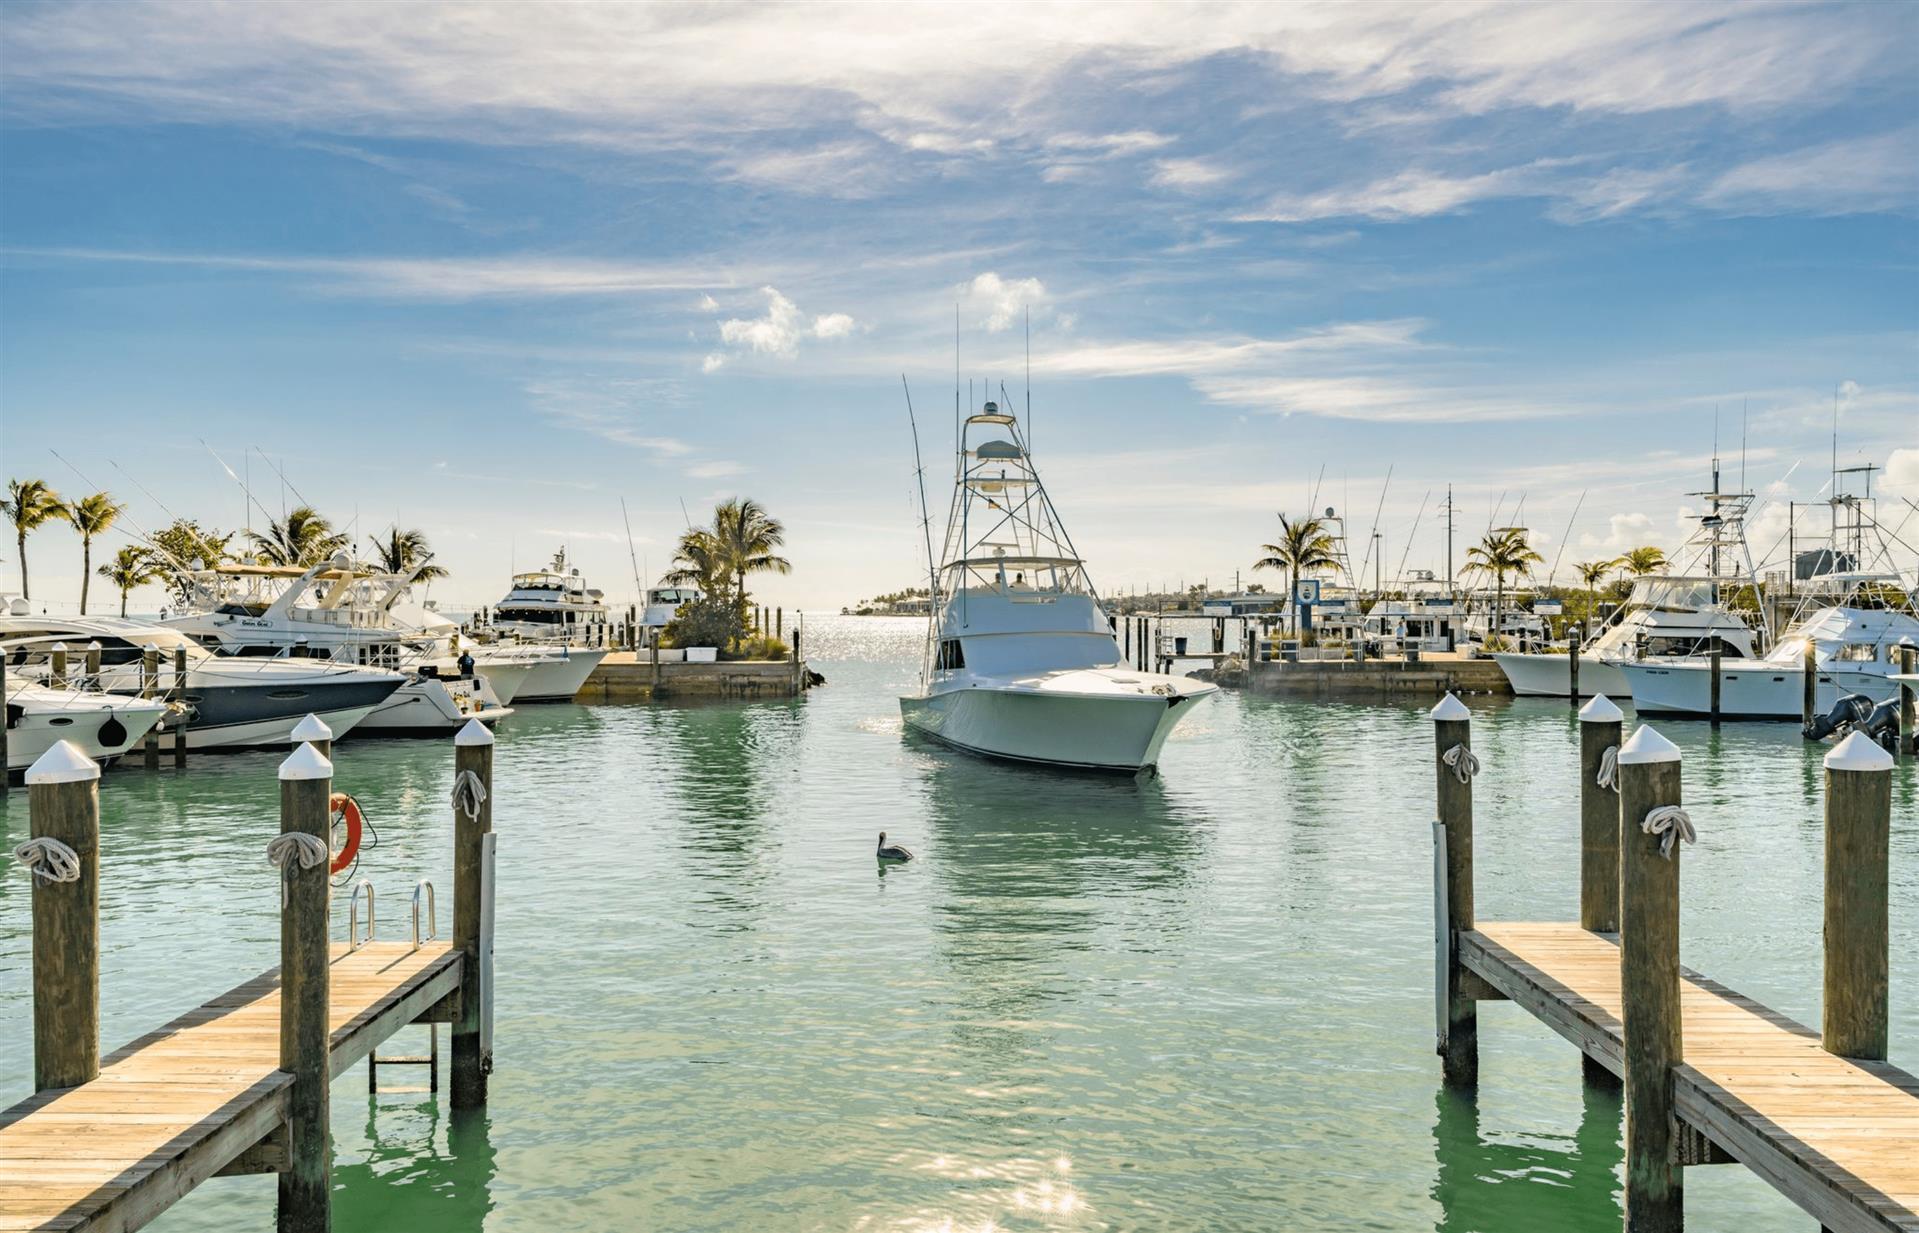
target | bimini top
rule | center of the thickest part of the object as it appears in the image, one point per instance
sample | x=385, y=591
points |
x=1005, y=450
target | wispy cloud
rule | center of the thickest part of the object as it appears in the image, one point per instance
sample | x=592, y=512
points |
x=618, y=410
x=777, y=332
x=1190, y=174
x=1846, y=176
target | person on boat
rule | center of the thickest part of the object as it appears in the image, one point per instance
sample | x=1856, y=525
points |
x=466, y=665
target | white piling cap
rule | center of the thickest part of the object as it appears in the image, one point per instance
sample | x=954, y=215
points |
x=312, y=728
x=1601, y=711
x=1858, y=752
x=64, y=763
x=94, y=645
x=59, y=646
x=1451, y=708
x=306, y=762
x=1645, y=746
x=475, y=733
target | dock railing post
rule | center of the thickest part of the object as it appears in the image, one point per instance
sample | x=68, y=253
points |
x=1908, y=698
x=93, y=664
x=1858, y=833
x=306, y=1188
x=1455, y=766
x=63, y=855
x=472, y=820
x=180, y=699
x=1649, y=781
x=58, y=677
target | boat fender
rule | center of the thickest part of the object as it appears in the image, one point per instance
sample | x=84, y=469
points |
x=14, y=712
x=345, y=807
x=112, y=733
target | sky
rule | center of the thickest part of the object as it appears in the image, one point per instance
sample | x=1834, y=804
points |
x=490, y=270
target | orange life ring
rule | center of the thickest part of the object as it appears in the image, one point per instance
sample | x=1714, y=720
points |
x=342, y=804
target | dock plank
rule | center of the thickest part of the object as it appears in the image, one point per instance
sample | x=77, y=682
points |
x=174, y=1106
x=1838, y=1137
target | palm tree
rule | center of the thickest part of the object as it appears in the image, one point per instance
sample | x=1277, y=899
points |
x=1302, y=546
x=1499, y=554
x=1592, y=573
x=1642, y=561
x=698, y=562
x=303, y=538
x=747, y=536
x=91, y=516
x=30, y=505
x=402, y=551
x=132, y=566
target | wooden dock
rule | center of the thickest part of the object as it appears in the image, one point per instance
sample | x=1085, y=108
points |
x=1710, y=1076
x=1838, y=1136
x=202, y=1096
x=239, y=1084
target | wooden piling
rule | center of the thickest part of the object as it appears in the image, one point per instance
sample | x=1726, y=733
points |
x=6, y=781
x=93, y=665
x=1601, y=728
x=305, y=1198
x=313, y=731
x=1858, y=832
x=1459, y=1045
x=1649, y=777
x=63, y=802
x=1713, y=659
x=779, y=623
x=1572, y=664
x=150, y=687
x=472, y=820
x=1809, y=688
x=180, y=698
x=58, y=679
x=1908, y=699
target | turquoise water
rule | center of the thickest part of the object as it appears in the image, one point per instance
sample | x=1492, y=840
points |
x=1201, y=1001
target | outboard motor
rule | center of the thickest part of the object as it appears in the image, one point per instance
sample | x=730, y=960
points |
x=1882, y=725
x=1851, y=709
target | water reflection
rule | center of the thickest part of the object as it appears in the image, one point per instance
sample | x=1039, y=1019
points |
x=413, y=1178
x=1527, y=1180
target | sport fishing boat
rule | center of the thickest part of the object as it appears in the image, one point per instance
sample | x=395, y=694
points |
x=338, y=613
x=102, y=725
x=1020, y=660
x=232, y=703
x=1664, y=616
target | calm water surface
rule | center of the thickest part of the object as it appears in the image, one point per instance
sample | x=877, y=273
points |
x=1202, y=1001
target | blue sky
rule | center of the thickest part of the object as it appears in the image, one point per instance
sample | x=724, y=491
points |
x=488, y=270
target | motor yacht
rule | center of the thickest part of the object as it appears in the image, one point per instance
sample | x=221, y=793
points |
x=102, y=725
x=1664, y=616
x=338, y=612
x=551, y=626
x=232, y=703
x=1020, y=660
x=552, y=605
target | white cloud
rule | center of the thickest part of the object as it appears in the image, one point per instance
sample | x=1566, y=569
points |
x=708, y=304
x=779, y=331
x=716, y=469
x=1404, y=195
x=1901, y=478
x=1190, y=174
x=1191, y=356
x=613, y=410
x=1838, y=177
x=713, y=363
x=1002, y=300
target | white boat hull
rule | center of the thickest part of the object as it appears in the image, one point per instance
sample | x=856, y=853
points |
x=561, y=677
x=1754, y=690
x=80, y=721
x=1550, y=676
x=1096, y=733
x=507, y=678
x=425, y=707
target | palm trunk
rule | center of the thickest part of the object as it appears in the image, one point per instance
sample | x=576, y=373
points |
x=86, y=570
x=26, y=592
x=123, y=603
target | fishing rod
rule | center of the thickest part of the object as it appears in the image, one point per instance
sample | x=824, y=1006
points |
x=1554, y=572
x=1414, y=534
x=630, y=553
x=926, y=515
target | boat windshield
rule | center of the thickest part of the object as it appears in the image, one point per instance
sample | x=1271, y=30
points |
x=1674, y=594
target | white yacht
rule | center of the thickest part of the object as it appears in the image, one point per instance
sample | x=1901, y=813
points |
x=232, y=703
x=552, y=605
x=1020, y=660
x=1664, y=616
x=664, y=603
x=102, y=725
x=339, y=613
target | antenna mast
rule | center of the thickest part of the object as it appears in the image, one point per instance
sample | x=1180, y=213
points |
x=631, y=555
x=926, y=515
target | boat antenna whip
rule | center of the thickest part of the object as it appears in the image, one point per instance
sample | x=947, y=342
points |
x=630, y=554
x=926, y=516
x=1554, y=571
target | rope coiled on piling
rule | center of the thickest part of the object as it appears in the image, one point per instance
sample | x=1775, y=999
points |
x=1671, y=824
x=1462, y=763
x=49, y=860
x=469, y=794
x=292, y=850
x=1608, y=776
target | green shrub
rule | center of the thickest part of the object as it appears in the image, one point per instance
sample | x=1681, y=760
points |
x=760, y=647
x=705, y=622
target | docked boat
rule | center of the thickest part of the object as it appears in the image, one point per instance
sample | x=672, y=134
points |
x=663, y=604
x=552, y=605
x=337, y=613
x=1020, y=661
x=551, y=625
x=1664, y=617
x=232, y=703
x=101, y=725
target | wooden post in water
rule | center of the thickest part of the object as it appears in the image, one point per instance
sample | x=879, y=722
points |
x=1809, y=696
x=1649, y=777
x=180, y=697
x=1600, y=731
x=1713, y=659
x=59, y=677
x=63, y=803
x=6, y=783
x=1858, y=831
x=1452, y=729
x=472, y=819
x=1908, y=698
x=313, y=731
x=306, y=1187
x=1573, y=640
x=93, y=664
x=779, y=623
x=150, y=687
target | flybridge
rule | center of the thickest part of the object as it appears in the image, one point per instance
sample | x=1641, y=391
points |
x=1002, y=532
